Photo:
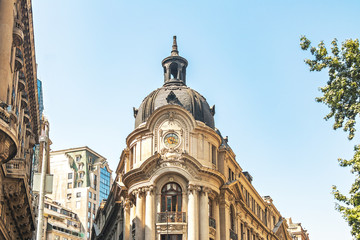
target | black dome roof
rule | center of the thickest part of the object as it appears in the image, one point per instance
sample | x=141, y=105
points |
x=180, y=95
x=175, y=92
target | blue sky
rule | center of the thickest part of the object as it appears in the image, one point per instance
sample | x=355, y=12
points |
x=98, y=59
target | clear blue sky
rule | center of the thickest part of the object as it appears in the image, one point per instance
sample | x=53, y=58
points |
x=98, y=59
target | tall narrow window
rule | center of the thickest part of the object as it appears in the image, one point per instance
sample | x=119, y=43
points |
x=171, y=198
x=213, y=154
x=232, y=218
x=210, y=208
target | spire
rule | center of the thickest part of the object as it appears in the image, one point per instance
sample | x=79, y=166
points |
x=174, y=51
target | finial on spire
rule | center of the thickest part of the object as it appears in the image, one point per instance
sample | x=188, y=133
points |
x=174, y=51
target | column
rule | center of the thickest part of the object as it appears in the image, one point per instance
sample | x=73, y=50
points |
x=126, y=220
x=6, y=39
x=217, y=218
x=149, y=215
x=204, y=213
x=192, y=214
x=139, y=221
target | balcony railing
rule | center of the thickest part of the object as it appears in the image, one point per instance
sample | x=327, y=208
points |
x=15, y=168
x=212, y=222
x=233, y=235
x=18, y=35
x=19, y=59
x=174, y=217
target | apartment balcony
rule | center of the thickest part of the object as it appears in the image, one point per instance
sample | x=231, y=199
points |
x=171, y=217
x=21, y=83
x=18, y=34
x=233, y=235
x=19, y=59
x=15, y=168
x=26, y=116
x=24, y=100
x=8, y=139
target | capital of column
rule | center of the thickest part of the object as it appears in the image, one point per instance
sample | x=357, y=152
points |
x=192, y=188
x=127, y=203
x=206, y=190
x=149, y=190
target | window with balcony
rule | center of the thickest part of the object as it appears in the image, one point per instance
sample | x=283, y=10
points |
x=171, y=196
x=171, y=204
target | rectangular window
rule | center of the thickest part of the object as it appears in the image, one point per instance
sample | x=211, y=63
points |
x=70, y=175
x=69, y=185
x=68, y=196
x=78, y=158
x=229, y=175
x=53, y=208
x=78, y=194
x=90, y=195
x=94, y=206
x=94, y=196
x=89, y=205
x=213, y=154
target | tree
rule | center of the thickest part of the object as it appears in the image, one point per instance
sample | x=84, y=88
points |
x=342, y=95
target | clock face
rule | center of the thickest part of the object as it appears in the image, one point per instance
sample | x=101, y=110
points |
x=171, y=140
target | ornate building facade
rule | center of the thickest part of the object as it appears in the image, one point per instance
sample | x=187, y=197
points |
x=178, y=178
x=19, y=118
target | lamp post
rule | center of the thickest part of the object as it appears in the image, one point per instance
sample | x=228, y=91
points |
x=44, y=140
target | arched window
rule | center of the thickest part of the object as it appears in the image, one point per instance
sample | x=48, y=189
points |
x=171, y=198
x=174, y=70
x=232, y=218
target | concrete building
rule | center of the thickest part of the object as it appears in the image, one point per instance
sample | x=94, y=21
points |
x=297, y=231
x=19, y=118
x=81, y=178
x=61, y=223
x=178, y=178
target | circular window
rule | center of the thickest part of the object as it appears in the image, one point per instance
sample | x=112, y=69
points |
x=171, y=140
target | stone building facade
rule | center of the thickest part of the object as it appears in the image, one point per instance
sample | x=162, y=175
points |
x=60, y=223
x=178, y=178
x=79, y=181
x=19, y=118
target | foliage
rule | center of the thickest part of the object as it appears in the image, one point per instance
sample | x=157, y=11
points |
x=342, y=95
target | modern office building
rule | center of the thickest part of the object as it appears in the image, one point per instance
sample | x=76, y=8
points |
x=19, y=118
x=81, y=178
x=178, y=178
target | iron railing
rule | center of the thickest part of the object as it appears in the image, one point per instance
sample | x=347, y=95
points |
x=212, y=222
x=177, y=217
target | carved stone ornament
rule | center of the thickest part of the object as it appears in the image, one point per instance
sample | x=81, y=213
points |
x=171, y=153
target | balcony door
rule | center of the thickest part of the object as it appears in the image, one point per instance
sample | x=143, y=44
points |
x=171, y=198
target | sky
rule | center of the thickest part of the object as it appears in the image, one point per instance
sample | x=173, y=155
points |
x=99, y=59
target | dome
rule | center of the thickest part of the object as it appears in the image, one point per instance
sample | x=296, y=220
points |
x=175, y=92
x=182, y=96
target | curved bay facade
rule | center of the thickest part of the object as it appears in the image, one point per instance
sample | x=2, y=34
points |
x=178, y=177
